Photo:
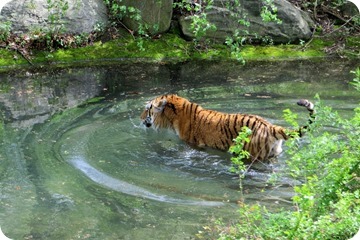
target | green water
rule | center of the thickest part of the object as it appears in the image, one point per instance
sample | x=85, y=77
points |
x=75, y=162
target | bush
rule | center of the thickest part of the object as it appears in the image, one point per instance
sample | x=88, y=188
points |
x=327, y=203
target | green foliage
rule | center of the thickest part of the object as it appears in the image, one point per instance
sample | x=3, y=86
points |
x=356, y=80
x=200, y=24
x=57, y=10
x=240, y=154
x=53, y=36
x=327, y=203
x=269, y=12
x=49, y=38
x=188, y=7
x=235, y=43
x=238, y=150
x=290, y=118
x=117, y=11
x=5, y=28
x=240, y=36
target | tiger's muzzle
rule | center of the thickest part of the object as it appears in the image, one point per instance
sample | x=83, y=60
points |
x=147, y=122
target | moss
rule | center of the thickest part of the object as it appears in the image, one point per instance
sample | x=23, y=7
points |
x=10, y=57
x=353, y=42
x=169, y=47
x=155, y=50
x=321, y=42
x=280, y=52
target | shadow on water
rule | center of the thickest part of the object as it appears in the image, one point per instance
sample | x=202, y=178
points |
x=76, y=162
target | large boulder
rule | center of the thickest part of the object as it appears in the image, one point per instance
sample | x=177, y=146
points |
x=155, y=14
x=80, y=16
x=295, y=24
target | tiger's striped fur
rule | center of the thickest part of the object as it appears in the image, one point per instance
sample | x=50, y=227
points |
x=201, y=127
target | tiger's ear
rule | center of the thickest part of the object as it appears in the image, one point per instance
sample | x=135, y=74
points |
x=148, y=105
x=160, y=106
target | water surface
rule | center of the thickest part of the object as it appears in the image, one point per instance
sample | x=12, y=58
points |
x=75, y=162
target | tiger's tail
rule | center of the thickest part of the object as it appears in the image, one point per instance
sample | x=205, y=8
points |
x=310, y=107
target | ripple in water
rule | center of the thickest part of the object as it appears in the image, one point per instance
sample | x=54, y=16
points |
x=130, y=189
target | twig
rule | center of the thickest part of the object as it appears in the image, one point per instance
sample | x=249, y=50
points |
x=24, y=56
x=315, y=12
x=345, y=25
x=127, y=29
x=327, y=10
x=308, y=42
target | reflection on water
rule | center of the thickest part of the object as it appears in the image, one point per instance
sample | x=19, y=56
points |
x=92, y=171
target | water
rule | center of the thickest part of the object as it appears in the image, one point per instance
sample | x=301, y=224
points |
x=74, y=168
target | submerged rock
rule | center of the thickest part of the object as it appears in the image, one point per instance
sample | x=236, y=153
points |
x=62, y=202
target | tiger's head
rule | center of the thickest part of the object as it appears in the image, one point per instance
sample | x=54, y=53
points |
x=153, y=115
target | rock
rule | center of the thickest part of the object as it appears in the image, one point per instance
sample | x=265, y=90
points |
x=3, y=2
x=349, y=9
x=295, y=24
x=156, y=14
x=80, y=16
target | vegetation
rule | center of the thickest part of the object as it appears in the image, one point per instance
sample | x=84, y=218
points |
x=327, y=202
x=169, y=48
x=325, y=12
x=51, y=44
x=240, y=155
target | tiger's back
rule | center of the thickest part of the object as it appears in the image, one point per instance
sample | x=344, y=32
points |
x=208, y=128
x=218, y=130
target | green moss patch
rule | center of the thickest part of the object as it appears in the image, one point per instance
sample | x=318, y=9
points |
x=10, y=57
x=279, y=52
x=169, y=47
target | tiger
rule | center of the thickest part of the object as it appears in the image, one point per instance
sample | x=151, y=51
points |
x=208, y=128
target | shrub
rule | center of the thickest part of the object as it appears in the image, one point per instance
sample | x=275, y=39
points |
x=327, y=203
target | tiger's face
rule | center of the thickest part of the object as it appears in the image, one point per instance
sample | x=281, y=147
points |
x=153, y=109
